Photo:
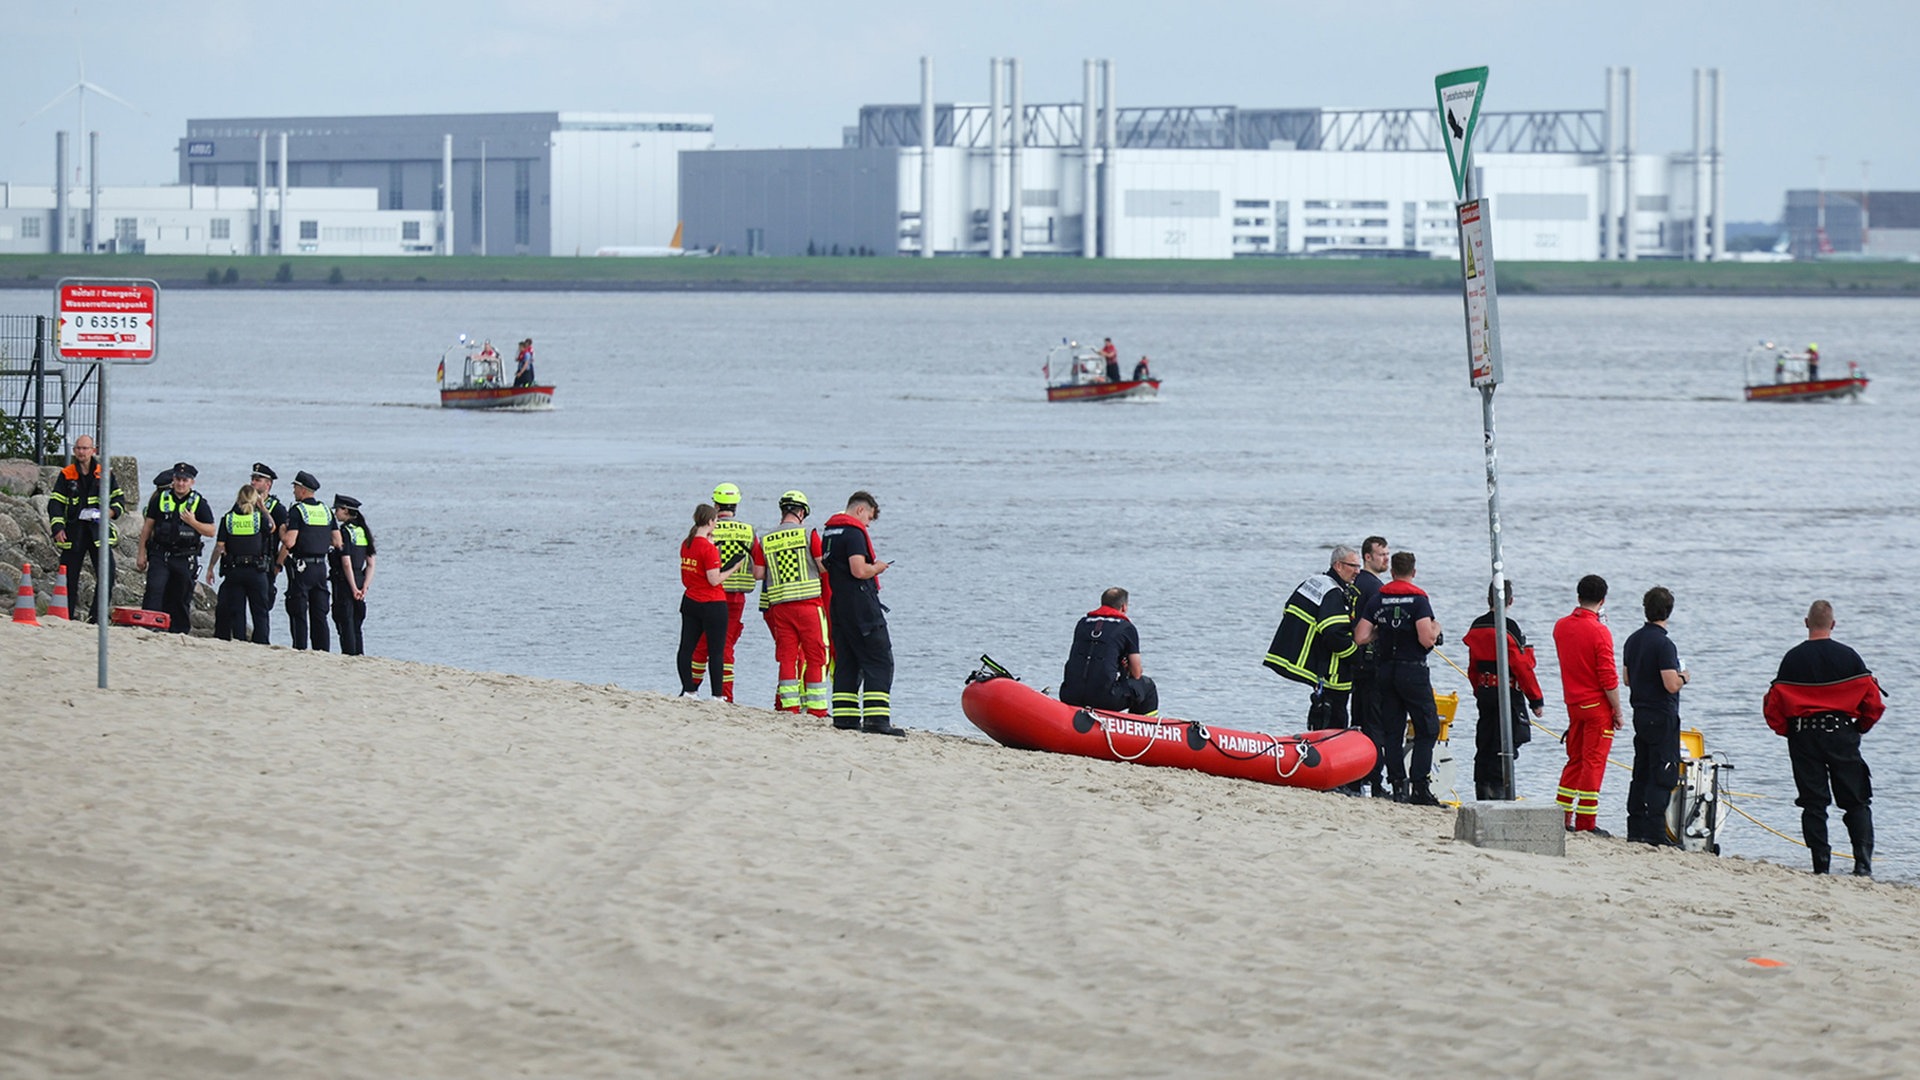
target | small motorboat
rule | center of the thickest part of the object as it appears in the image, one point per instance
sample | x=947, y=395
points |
x=1074, y=373
x=483, y=382
x=1775, y=373
x=1016, y=715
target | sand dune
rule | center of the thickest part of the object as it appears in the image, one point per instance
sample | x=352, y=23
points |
x=255, y=862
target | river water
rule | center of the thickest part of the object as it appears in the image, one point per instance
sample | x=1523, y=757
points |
x=545, y=543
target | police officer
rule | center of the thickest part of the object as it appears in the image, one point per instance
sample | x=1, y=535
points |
x=176, y=519
x=276, y=511
x=862, y=648
x=242, y=553
x=310, y=535
x=734, y=539
x=73, y=516
x=1104, y=669
x=350, y=573
x=787, y=560
x=1400, y=620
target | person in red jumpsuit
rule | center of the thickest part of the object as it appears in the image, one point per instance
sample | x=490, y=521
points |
x=1590, y=683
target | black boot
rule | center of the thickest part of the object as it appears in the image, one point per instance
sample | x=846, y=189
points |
x=882, y=727
x=1399, y=791
x=1860, y=830
x=1422, y=795
x=1863, y=862
x=1822, y=860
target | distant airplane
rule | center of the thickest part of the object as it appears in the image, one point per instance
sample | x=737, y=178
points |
x=673, y=249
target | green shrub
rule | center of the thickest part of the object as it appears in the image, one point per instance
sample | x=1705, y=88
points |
x=232, y=276
x=284, y=274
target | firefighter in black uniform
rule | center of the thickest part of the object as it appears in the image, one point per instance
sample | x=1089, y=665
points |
x=73, y=516
x=176, y=518
x=862, y=648
x=242, y=553
x=1103, y=669
x=310, y=535
x=1399, y=619
x=350, y=572
x=1314, y=642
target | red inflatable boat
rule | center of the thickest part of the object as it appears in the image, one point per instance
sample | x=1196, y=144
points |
x=1014, y=714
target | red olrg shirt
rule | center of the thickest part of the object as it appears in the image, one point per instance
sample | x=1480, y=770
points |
x=697, y=556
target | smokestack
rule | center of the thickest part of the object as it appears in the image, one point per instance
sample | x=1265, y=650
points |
x=1630, y=239
x=1609, y=226
x=1089, y=182
x=1108, y=196
x=281, y=209
x=926, y=157
x=59, y=193
x=260, y=201
x=446, y=194
x=92, y=231
x=1719, y=173
x=1699, y=252
x=1016, y=192
x=994, y=202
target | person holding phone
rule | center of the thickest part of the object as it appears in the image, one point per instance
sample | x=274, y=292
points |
x=703, y=608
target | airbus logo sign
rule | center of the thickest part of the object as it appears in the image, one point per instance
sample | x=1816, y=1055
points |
x=201, y=148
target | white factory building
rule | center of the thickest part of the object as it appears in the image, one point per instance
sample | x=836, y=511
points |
x=1096, y=180
x=542, y=183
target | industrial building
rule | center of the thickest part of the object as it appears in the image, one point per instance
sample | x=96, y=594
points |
x=1853, y=224
x=546, y=183
x=202, y=219
x=1092, y=179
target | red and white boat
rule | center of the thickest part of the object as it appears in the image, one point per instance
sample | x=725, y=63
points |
x=1077, y=374
x=1015, y=714
x=1791, y=376
x=483, y=382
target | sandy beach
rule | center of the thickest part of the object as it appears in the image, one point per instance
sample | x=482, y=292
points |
x=254, y=862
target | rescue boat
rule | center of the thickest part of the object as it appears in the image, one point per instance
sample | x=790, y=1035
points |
x=483, y=382
x=1077, y=374
x=1016, y=715
x=1776, y=374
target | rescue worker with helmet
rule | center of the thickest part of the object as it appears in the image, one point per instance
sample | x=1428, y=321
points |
x=734, y=539
x=1314, y=642
x=862, y=647
x=310, y=536
x=1400, y=619
x=786, y=560
x=177, y=517
x=73, y=517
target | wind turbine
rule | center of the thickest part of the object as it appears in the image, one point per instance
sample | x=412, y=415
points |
x=79, y=91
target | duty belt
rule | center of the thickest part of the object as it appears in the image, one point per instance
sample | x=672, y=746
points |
x=1829, y=721
x=247, y=562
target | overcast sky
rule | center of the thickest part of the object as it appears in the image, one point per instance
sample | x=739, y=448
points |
x=1801, y=81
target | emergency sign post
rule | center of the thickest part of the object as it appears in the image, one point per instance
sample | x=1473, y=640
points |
x=105, y=321
x=1458, y=94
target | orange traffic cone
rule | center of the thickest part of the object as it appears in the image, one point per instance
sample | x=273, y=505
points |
x=23, y=611
x=57, y=607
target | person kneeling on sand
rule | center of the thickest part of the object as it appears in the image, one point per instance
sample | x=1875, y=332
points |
x=1104, y=669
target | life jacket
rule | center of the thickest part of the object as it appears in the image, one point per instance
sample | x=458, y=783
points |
x=1095, y=662
x=734, y=538
x=791, y=574
x=1314, y=642
x=1481, y=643
x=1395, y=629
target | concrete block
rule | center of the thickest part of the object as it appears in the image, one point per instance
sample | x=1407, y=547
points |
x=1505, y=826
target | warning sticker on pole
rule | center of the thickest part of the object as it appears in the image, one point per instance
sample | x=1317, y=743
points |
x=1483, y=316
x=113, y=320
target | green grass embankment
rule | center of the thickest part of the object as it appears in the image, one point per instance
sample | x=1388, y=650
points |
x=830, y=274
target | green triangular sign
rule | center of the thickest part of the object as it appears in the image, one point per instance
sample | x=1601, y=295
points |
x=1459, y=93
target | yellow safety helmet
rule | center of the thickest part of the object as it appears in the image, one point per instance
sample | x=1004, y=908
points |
x=794, y=498
x=1811, y=347
x=726, y=495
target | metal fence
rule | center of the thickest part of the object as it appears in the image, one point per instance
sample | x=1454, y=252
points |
x=44, y=404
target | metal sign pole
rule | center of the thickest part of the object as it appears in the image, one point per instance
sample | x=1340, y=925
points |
x=103, y=554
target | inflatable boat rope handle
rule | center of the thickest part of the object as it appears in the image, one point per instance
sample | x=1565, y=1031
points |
x=1108, y=732
x=1280, y=755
